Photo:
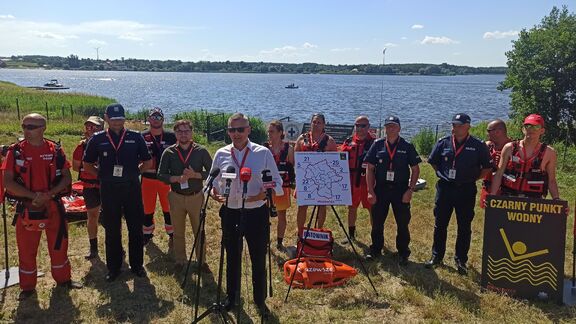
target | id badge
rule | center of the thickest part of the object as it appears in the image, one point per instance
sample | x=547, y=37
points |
x=452, y=174
x=389, y=175
x=184, y=185
x=117, y=171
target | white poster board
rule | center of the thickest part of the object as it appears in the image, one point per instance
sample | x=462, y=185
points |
x=322, y=178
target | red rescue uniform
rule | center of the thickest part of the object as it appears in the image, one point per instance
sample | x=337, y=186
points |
x=524, y=177
x=39, y=163
x=357, y=150
x=487, y=181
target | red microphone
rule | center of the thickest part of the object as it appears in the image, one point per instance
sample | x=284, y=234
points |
x=245, y=176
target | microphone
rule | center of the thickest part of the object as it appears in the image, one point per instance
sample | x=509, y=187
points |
x=211, y=179
x=245, y=176
x=268, y=184
x=229, y=175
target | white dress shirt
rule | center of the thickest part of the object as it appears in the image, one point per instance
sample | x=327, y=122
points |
x=259, y=158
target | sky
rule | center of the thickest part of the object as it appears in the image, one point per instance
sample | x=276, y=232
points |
x=473, y=33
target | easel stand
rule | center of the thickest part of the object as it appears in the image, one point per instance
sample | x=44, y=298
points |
x=10, y=274
x=315, y=212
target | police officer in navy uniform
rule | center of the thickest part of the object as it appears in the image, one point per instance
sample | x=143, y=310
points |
x=459, y=160
x=391, y=176
x=118, y=152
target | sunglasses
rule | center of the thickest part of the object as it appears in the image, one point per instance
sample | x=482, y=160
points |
x=31, y=127
x=361, y=125
x=183, y=131
x=156, y=117
x=236, y=129
x=491, y=130
x=529, y=126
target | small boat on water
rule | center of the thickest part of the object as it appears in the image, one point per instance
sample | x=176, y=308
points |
x=53, y=84
x=291, y=86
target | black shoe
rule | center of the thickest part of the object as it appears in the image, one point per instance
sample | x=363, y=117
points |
x=403, y=261
x=462, y=268
x=25, y=294
x=435, y=261
x=92, y=255
x=263, y=311
x=140, y=272
x=147, y=239
x=229, y=304
x=71, y=285
x=372, y=256
x=112, y=275
x=280, y=247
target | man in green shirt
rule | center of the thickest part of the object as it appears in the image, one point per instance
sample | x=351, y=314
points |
x=184, y=165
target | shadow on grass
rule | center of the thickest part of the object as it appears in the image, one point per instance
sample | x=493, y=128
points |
x=60, y=307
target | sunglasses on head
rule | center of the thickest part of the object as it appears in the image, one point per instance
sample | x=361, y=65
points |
x=31, y=127
x=361, y=125
x=236, y=129
x=530, y=126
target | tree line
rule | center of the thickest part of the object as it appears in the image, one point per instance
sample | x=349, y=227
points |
x=73, y=62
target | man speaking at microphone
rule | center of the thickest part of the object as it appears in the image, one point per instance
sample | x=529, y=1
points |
x=246, y=213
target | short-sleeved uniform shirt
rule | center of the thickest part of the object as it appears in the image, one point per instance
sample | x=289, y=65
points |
x=38, y=159
x=404, y=157
x=157, y=144
x=131, y=151
x=77, y=156
x=473, y=157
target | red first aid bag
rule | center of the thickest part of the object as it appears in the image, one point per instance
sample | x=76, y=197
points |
x=318, y=242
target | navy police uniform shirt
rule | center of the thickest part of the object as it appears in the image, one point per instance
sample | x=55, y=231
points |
x=469, y=161
x=131, y=151
x=404, y=156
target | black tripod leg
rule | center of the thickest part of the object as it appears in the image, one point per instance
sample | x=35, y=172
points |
x=7, y=266
x=270, y=291
x=302, y=242
x=197, y=234
x=354, y=249
x=199, y=270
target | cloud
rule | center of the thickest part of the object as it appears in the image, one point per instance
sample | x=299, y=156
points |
x=308, y=45
x=7, y=17
x=443, y=40
x=403, y=38
x=345, y=49
x=50, y=35
x=390, y=45
x=289, y=51
x=130, y=37
x=96, y=42
x=499, y=35
x=417, y=26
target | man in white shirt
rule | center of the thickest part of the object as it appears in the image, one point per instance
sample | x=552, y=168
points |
x=252, y=223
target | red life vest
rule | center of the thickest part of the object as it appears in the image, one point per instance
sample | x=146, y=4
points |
x=357, y=150
x=88, y=180
x=495, y=158
x=525, y=177
x=285, y=168
x=309, y=146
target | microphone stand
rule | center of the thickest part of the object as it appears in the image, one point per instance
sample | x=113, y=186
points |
x=217, y=306
x=272, y=213
x=240, y=232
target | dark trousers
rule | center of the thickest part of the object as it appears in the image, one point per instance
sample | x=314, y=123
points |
x=385, y=198
x=253, y=226
x=117, y=199
x=460, y=198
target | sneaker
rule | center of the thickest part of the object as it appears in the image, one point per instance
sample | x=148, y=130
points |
x=403, y=261
x=280, y=247
x=92, y=255
x=140, y=272
x=372, y=256
x=112, y=275
x=25, y=294
x=263, y=311
x=435, y=261
x=70, y=284
x=462, y=268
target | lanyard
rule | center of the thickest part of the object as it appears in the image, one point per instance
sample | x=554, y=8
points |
x=391, y=154
x=116, y=148
x=158, y=144
x=457, y=151
x=243, y=159
x=184, y=161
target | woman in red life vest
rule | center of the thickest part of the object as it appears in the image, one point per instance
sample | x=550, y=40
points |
x=36, y=173
x=527, y=167
x=90, y=184
x=284, y=156
x=316, y=140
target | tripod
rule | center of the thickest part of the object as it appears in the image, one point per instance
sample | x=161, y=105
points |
x=217, y=306
x=315, y=212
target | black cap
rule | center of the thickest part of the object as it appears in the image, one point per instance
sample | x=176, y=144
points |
x=392, y=120
x=461, y=119
x=115, y=111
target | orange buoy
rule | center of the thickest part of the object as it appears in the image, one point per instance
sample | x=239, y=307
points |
x=314, y=272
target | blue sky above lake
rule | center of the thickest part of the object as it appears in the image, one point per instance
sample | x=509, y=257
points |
x=476, y=33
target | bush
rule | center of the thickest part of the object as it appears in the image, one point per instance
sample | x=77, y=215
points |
x=424, y=141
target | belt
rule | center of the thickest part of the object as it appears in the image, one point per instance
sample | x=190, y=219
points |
x=191, y=193
x=149, y=175
x=456, y=184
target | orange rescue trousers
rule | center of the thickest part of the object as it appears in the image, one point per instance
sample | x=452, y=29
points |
x=152, y=188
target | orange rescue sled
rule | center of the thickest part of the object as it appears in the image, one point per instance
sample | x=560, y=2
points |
x=316, y=272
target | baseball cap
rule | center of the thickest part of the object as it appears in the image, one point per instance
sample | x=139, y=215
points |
x=534, y=119
x=392, y=120
x=156, y=111
x=94, y=120
x=461, y=119
x=115, y=111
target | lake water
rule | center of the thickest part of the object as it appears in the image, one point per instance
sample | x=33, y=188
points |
x=418, y=101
